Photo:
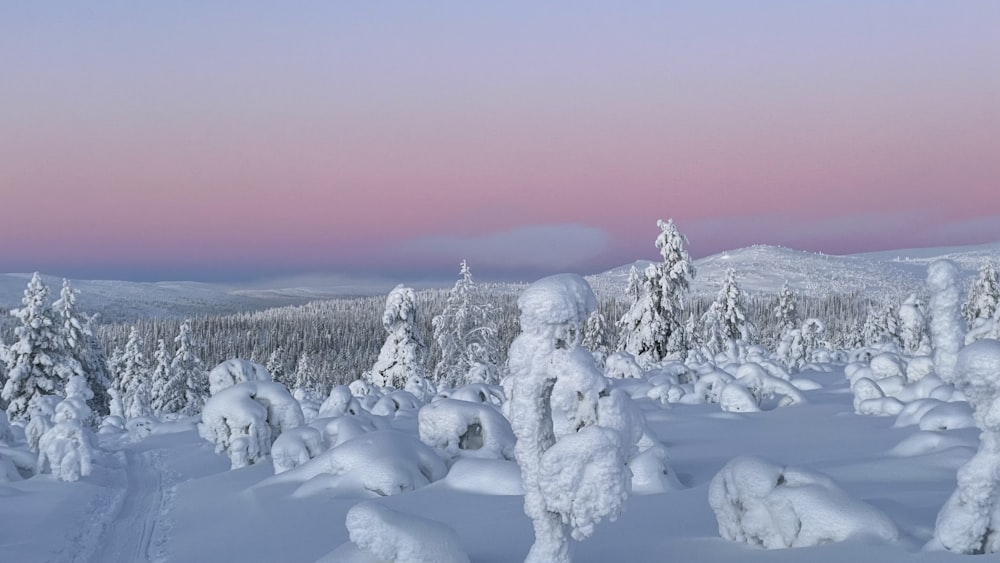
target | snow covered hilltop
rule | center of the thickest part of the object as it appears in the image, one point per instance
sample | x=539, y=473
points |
x=541, y=423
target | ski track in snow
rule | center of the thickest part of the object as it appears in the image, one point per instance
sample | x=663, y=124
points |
x=137, y=531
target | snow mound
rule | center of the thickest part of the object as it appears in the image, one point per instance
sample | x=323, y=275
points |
x=484, y=477
x=231, y=372
x=295, y=447
x=460, y=428
x=375, y=464
x=380, y=534
x=762, y=504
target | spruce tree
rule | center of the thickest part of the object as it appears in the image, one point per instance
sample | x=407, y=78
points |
x=39, y=362
x=651, y=329
x=465, y=332
x=78, y=332
x=167, y=396
x=188, y=367
x=786, y=311
x=984, y=296
x=726, y=321
x=134, y=378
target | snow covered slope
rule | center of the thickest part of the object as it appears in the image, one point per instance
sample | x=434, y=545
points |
x=763, y=269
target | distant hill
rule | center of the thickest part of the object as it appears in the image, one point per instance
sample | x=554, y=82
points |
x=763, y=269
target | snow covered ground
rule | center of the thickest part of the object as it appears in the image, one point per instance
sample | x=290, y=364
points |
x=169, y=497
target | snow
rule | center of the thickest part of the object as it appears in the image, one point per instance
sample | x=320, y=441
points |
x=231, y=372
x=763, y=504
x=384, y=534
x=460, y=428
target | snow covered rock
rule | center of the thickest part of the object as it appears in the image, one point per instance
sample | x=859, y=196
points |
x=460, y=428
x=231, y=372
x=762, y=504
x=379, y=533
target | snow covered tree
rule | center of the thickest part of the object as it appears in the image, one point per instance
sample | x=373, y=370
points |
x=726, y=321
x=307, y=375
x=595, y=336
x=984, y=296
x=78, y=336
x=402, y=356
x=947, y=326
x=167, y=396
x=39, y=363
x=786, y=311
x=276, y=365
x=881, y=327
x=651, y=329
x=574, y=433
x=913, y=326
x=188, y=367
x=465, y=332
x=133, y=381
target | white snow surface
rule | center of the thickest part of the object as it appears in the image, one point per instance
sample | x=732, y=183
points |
x=379, y=533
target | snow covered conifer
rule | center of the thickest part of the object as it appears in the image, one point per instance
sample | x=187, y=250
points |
x=947, y=326
x=39, y=363
x=574, y=433
x=276, y=365
x=726, y=321
x=402, y=355
x=188, y=367
x=168, y=388
x=307, y=375
x=465, y=332
x=133, y=381
x=913, y=326
x=786, y=311
x=595, y=336
x=984, y=296
x=651, y=329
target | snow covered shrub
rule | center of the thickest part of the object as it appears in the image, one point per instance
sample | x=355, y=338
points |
x=374, y=464
x=296, y=446
x=383, y=534
x=244, y=419
x=460, y=428
x=339, y=402
x=762, y=504
x=67, y=449
x=41, y=415
x=390, y=404
x=622, y=365
x=477, y=393
x=572, y=437
x=231, y=372
x=970, y=520
x=309, y=401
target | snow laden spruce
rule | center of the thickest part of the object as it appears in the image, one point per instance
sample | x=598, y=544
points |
x=574, y=433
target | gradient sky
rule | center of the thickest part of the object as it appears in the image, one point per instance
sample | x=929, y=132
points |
x=233, y=140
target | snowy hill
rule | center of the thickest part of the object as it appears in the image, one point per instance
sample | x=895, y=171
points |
x=763, y=269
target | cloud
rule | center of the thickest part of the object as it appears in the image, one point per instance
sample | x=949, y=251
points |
x=542, y=247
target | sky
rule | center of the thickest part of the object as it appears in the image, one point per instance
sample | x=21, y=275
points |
x=237, y=140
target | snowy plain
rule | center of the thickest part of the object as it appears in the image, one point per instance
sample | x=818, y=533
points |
x=169, y=497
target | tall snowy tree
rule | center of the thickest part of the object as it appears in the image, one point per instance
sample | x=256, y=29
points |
x=726, y=321
x=133, y=381
x=651, y=329
x=881, y=327
x=39, y=362
x=276, y=366
x=77, y=330
x=188, y=367
x=167, y=395
x=402, y=356
x=913, y=333
x=595, y=335
x=984, y=297
x=786, y=311
x=465, y=332
x=307, y=375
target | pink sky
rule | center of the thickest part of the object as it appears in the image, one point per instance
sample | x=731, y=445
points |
x=202, y=142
